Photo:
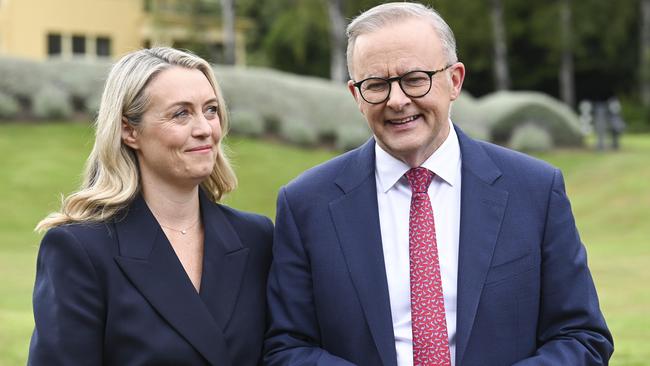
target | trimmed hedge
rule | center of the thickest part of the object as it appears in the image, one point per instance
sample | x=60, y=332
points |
x=21, y=78
x=298, y=109
x=531, y=137
x=465, y=112
x=504, y=111
x=301, y=110
x=52, y=103
x=246, y=123
x=82, y=80
x=8, y=106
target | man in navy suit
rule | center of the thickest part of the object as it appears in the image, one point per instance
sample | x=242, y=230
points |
x=424, y=246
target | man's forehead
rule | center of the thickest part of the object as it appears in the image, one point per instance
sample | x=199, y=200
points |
x=394, y=51
x=395, y=69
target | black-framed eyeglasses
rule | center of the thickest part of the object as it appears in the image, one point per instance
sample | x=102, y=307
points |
x=415, y=84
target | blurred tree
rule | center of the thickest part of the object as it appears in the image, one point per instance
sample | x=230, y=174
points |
x=644, y=52
x=295, y=36
x=228, y=26
x=601, y=38
x=567, y=87
x=337, y=25
x=472, y=27
x=500, y=63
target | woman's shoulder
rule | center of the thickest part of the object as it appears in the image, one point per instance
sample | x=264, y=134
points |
x=244, y=216
x=248, y=225
x=82, y=230
x=91, y=237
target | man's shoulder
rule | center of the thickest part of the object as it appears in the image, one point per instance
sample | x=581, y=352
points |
x=325, y=174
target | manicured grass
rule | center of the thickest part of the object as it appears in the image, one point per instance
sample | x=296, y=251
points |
x=40, y=162
x=610, y=193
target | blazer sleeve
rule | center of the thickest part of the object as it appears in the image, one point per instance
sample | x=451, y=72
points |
x=572, y=330
x=68, y=304
x=293, y=337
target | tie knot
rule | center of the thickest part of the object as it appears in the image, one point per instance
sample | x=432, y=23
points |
x=419, y=179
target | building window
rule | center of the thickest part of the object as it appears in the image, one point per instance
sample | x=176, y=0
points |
x=78, y=45
x=53, y=44
x=103, y=46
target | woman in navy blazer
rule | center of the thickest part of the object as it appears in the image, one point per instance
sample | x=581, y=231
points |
x=142, y=266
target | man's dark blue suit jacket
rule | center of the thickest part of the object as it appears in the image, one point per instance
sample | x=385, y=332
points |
x=525, y=294
x=116, y=294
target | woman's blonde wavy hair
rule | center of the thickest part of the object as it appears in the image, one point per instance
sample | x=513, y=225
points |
x=111, y=177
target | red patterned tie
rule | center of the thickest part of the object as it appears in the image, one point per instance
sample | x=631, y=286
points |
x=430, y=342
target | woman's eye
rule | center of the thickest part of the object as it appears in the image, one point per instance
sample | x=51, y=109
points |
x=182, y=113
x=211, y=111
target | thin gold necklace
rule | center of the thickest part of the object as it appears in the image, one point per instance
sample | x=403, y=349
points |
x=182, y=231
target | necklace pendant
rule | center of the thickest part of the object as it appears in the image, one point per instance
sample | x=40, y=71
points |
x=183, y=232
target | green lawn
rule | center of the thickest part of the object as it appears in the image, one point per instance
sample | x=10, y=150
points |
x=610, y=195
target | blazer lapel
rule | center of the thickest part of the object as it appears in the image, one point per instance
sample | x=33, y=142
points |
x=148, y=260
x=482, y=210
x=224, y=263
x=356, y=221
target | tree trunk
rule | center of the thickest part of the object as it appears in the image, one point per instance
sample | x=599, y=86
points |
x=644, y=72
x=338, y=68
x=501, y=73
x=228, y=22
x=567, y=85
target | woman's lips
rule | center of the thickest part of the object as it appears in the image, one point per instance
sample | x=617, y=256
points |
x=200, y=148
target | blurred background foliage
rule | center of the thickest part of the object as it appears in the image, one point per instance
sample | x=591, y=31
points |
x=292, y=35
x=602, y=47
x=300, y=110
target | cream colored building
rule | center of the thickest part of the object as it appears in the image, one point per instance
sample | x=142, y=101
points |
x=42, y=29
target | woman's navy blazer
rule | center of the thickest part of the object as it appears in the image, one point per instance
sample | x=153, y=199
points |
x=115, y=293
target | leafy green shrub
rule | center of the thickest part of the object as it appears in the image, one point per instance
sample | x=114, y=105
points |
x=635, y=115
x=246, y=122
x=505, y=110
x=351, y=135
x=21, y=78
x=302, y=110
x=466, y=114
x=51, y=102
x=92, y=103
x=298, y=132
x=530, y=137
x=282, y=99
x=82, y=80
x=8, y=106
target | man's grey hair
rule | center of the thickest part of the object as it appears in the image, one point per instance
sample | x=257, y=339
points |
x=390, y=13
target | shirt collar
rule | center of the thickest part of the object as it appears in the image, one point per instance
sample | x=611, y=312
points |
x=443, y=162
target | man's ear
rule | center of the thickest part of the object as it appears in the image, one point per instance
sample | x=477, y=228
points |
x=355, y=95
x=457, y=77
x=129, y=134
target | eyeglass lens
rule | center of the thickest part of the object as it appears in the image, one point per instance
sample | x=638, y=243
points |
x=414, y=84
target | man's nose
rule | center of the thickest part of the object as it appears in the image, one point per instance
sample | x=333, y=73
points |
x=397, y=98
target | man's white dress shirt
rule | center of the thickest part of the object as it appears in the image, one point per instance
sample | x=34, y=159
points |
x=394, y=200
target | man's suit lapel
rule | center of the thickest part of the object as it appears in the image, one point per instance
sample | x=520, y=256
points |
x=482, y=210
x=356, y=221
x=148, y=260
